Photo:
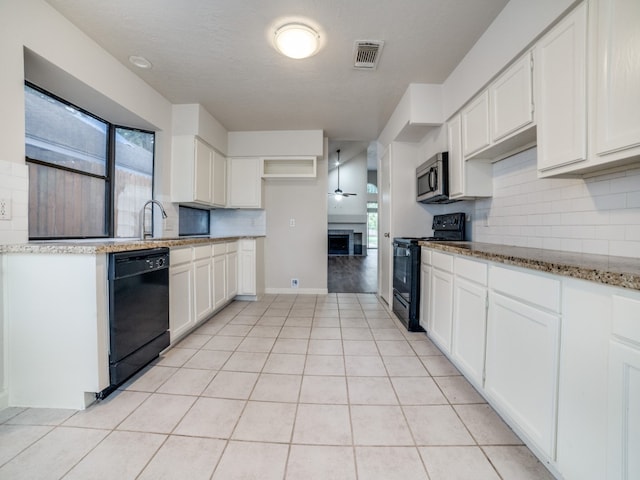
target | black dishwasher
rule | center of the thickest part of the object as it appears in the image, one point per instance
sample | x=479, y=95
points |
x=138, y=311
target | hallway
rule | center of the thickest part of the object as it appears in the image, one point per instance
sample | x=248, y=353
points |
x=353, y=274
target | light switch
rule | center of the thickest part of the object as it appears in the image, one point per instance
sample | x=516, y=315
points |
x=292, y=222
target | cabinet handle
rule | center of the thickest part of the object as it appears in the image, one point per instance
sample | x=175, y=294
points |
x=387, y=234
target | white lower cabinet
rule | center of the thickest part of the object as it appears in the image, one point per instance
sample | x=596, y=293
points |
x=425, y=284
x=219, y=277
x=203, y=282
x=202, y=279
x=561, y=359
x=232, y=270
x=441, y=306
x=623, y=458
x=250, y=268
x=469, y=318
x=522, y=367
x=582, y=386
x=181, y=292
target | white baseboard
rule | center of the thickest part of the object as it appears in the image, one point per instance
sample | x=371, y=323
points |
x=297, y=291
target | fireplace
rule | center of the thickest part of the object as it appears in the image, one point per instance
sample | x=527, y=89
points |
x=345, y=242
x=338, y=244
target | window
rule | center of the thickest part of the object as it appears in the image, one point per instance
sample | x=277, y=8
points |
x=372, y=224
x=87, y=177
x=371, y=188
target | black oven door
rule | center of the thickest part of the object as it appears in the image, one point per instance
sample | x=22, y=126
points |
x=406, y=279
x=402, y=272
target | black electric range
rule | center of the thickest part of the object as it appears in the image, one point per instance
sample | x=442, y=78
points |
x=406, y=266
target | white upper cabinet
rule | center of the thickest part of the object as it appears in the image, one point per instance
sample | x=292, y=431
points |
x=475, y=125
x=561, y=92
x=511, y=97
x=607, y=114
x=618, y=79
x=244, y=182
x=467, y=179
x=499, y=121
x=219, y=180
x=198, y=173
x=289, y=167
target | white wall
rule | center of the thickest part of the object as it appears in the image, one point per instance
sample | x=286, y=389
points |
x=596, y=215
x=87, y=70
x=301, y=251
x=353, y=179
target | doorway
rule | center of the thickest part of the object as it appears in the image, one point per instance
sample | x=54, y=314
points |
x=352, y=264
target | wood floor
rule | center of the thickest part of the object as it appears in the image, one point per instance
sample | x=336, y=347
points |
x=353, y=274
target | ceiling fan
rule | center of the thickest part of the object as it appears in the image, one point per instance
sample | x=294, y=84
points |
x=337, y=192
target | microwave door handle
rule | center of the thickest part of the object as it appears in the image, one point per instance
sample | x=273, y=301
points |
x=433, y=179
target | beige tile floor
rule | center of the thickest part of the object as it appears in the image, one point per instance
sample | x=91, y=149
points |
x=290, y=387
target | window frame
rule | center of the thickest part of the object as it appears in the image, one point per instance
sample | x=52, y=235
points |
x=110, y=168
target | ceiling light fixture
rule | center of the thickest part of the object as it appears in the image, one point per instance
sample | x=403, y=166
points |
x=297, y=40
x=140, y=62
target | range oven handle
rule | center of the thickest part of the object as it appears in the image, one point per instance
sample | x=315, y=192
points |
x=401, y=300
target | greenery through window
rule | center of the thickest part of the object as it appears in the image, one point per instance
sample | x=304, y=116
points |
x=87, y=177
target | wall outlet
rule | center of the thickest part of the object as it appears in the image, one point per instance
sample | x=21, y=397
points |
x=294, y=283
x=5, y=209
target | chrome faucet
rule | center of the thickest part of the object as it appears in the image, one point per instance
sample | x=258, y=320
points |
x=143, y=233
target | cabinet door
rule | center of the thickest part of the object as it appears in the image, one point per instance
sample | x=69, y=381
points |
x=561, y=92
x=440, y=313
x=202, y=172
x=475, y=125
x=617, y=76
x=623, y=461
x=181, y=317
x=425, y=283
x=522, y=367
x=219, y=281
x=456, y=162
x=469, y=327
x=219, y=180
x=511, y=99
x=232, y=275
x=245, y=183
x=203, y=278
x=247, y=267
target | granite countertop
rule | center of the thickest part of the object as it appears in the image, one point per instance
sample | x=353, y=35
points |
x=610, y=270
x=104, y=245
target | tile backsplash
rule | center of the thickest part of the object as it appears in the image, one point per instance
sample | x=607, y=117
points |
x=599, y=214
x=14, y=187
x=238, y=222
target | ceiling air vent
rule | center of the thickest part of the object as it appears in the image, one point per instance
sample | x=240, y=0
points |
x=367, y=54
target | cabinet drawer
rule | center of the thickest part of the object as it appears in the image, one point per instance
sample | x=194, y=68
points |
x=442, y=261
x=626, y=318
x=202, y=251
x=535, y=289
x=232, y=247
x=471, y=270
x=425, y=256
x=219, y=249
x=178, y=256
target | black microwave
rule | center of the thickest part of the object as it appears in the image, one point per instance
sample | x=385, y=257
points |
x=432, y=180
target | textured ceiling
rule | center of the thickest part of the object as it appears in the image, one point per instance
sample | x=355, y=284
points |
x=218, y=53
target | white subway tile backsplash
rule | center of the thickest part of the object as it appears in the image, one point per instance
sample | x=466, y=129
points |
x=599, y=214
